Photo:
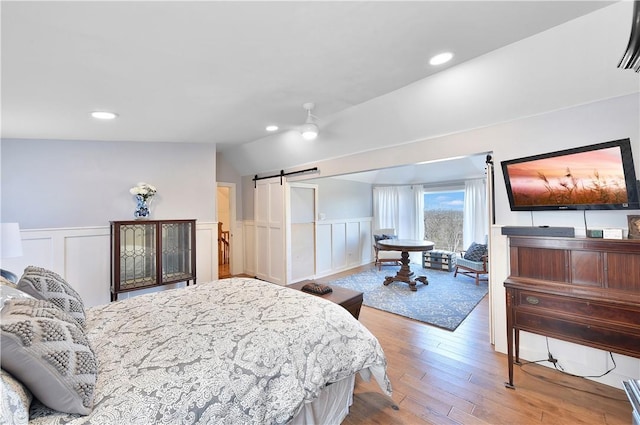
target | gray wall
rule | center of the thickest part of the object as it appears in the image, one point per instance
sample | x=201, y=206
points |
x=247, y=197
x=340, y=199
x=52, y=183
x=227, y=174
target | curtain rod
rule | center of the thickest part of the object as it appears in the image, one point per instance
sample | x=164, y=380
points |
x=283, y=174
x=433, y=185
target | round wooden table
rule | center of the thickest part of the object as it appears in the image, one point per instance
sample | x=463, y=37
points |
x=405, y=246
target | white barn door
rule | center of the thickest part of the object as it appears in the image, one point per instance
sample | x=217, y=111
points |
x=270, y=228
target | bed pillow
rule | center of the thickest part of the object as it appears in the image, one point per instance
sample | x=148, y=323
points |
x=10, y=292
x=6, y=282
x=475, y=252
x=46, y=349
x=16, y=400
x=47, y=285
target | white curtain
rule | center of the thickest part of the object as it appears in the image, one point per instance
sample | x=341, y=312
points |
x=400, y=207
x=475, y=226
x=415, y=217
x=386, y=202
x=418, y=209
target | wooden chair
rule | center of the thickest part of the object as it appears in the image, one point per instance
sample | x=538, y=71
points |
x=382, y=256
x=474, y=263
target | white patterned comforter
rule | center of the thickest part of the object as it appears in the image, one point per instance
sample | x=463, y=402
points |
x=233, y=351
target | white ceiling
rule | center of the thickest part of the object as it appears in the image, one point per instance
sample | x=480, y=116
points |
x=219, y=72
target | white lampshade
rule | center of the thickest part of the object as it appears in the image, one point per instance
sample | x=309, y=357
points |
x=309, y=131
x=11, y=240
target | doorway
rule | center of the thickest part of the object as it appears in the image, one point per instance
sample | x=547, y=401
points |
x=226, y=223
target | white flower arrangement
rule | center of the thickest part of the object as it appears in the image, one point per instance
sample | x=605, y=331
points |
x=144, y=190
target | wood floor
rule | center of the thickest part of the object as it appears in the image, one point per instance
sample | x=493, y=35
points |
x=442, y=377
x=223, y=271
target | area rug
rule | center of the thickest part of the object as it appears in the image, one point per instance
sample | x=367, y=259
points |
x=445, y=302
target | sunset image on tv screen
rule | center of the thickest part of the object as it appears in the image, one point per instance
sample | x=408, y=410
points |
x=594, y=177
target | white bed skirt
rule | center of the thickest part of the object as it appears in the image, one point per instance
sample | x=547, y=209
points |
x=331, y=407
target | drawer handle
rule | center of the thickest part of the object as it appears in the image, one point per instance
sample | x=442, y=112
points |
x=532, y=300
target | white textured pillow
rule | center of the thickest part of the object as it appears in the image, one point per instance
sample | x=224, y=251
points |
x=44, y=284
x=16, y=400
x=46, y=349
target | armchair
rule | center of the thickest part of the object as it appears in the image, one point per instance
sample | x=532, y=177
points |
x=385, y=256
x=474, y=262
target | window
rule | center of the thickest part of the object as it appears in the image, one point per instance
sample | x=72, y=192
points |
x=443, y=218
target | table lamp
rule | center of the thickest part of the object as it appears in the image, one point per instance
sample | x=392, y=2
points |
x=11, y=246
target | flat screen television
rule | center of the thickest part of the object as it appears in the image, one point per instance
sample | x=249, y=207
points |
x=594, y=177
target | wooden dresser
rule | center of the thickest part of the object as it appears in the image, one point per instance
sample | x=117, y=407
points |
x=585, y=291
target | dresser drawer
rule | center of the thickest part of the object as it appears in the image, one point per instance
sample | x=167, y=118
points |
x=625, y=339
x=578, y=307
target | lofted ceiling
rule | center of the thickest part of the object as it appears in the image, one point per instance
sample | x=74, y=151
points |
x=220, y=71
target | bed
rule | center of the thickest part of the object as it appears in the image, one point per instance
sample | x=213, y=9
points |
x=232, y=351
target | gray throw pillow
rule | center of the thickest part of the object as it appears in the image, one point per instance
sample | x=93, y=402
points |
x=16, y=400
x=475, y=252
x=46, y=349
x=44, y=284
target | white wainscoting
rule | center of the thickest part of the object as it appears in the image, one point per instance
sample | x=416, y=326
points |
x=341, y=244
x=82, y=257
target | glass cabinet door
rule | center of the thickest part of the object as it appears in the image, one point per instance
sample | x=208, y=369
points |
x=138, y=264
x=176, y=251
x=148, y=253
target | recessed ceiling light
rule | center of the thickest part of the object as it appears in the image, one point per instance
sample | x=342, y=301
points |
x=441, y=58
x=272, y=128
x=104, y=115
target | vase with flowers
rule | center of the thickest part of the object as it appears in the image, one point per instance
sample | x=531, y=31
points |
x=144, y=193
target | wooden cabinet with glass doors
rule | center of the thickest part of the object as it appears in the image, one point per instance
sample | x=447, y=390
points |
x=148, y=253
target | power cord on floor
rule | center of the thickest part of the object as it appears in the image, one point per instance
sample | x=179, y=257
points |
x=559, y=368
x=549, y=359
